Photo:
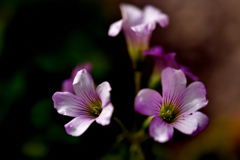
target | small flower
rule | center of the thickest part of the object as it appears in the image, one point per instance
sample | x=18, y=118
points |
x=87, y=106
x=163, y=60
x=138, y=26
x=67, y=85
x=177, y=108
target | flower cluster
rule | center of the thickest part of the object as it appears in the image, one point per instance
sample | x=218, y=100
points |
x=176, y=107
x=138, y=25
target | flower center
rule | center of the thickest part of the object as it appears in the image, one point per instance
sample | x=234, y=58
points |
x=95, y=108
x=168, y=113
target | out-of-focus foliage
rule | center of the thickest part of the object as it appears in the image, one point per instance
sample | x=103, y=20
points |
x=12, y=89
x=41, y=42
x=35, y=148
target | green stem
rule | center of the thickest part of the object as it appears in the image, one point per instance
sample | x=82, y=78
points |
x=124, y=130
x=136, y=152
x=146, y=122
x=137, y=79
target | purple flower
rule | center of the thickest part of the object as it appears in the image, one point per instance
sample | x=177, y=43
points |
x=67, y=85
x=87, y=106
x=163, y=60
x=138, y=26
x=177, y=108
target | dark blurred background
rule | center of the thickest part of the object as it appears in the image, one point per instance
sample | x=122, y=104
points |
x=42, y=41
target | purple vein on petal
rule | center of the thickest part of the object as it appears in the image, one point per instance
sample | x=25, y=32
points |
x=84, y=87
x=69, y=104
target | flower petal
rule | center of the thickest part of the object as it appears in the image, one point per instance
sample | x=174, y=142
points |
x=105, y=116
x=202, y=120
x=131, y=14
x=160, y=130
x=187, y=71
x=86, y=66
x=193, y=98
x=103, y=92
x=78, y=125
x=173, y=84
x=83, y=86
x=186, y=124
x=67, y=85
x=163, y=20
x=69, y=104
x=155, y=51
x=171, y=61
x=152, y=14
x=141, y=30
x=115, y=28
x=148, y=102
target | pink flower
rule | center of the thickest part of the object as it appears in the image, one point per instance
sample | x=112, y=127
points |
x=176, y=108
x=163, y=60
x=138, y=26
x=87, y=106
x=67, y=85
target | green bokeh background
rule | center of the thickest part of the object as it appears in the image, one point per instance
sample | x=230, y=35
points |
x=41, y=42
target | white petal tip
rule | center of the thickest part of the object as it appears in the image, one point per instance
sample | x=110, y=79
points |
x=115, y=28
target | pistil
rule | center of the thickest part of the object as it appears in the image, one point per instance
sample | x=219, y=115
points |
x=96, y=109
x=168, y=113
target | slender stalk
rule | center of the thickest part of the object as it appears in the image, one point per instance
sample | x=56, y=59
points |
x=136, y=136
x=137, y=79
x=136, y=152
x=124, y=130
x=146, y=122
